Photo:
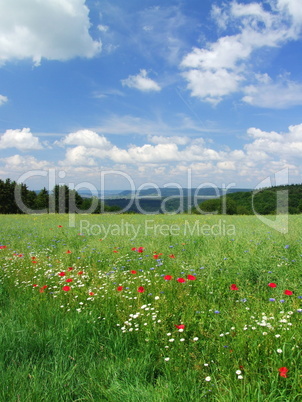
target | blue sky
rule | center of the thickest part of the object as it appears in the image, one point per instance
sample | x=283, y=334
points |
x=155, y=91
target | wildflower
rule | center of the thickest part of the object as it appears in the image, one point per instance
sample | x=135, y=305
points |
x=68, y=252
x=195, y=339
x=168, y=277
x=68, y=280
x=91, y=294
x=62, y=274
x=66, y=288
x=140, y=289
x=272, y=285
x=119, y=288
x=181, y=326
x=133, y=271
x=172, y=256
x=70, y=268
x=191, y=277
x=180, y=280
x=272, y=299
x=288, y=292
x=208, y=378
x=80, y=273
x=240, y=377
x=167, y=359
x=140, y=249
x=283, y=372
x=234, y=287
x=279, y=350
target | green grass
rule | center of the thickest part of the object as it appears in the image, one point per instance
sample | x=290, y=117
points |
x=96, y=343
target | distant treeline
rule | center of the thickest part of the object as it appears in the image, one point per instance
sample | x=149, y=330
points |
x=272, y=200
x=17, y=198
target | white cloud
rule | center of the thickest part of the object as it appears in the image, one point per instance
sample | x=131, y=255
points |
x=23, y=140
x=275, y=95
x=78, y=156
x=51, y=29
x=212, y=85
x=293, y=8
x=3, y=99
x=263, y=154
x=86, y=138
x=160, y=139
x=18, y=163
x=221, y=67
x=226, y=165
x=141, y=82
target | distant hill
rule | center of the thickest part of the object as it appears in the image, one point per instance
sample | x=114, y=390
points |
x=272, y=200
x=166, y=200
x=164, y=192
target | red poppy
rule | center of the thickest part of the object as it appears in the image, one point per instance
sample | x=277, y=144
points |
x=68, y=252
x=133, y=249
x=34, y=262
x=140, y=289
x=80, y=272
x=60, y=226
x=140, y=249
x=33, y=258
x=168, y=277
x=180, y=280
x=2, y=247
x=234, y=287
x=66, y=288
x=68, y=280
x=283, y=371
x=172, y=256
x=35, y=285
x=288, y=292
x=191, y=277
x=62, y=274
x=70, y=269
x=155, y=256
x=115, y=251
x=91, y=294
x=133, y=271
x=272, y=285
x=43, y=288
x=181, y=326
x=119, y=288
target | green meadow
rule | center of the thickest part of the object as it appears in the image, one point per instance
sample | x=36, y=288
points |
x=150, y=308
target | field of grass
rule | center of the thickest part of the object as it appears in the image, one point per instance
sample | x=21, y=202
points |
x=150, y=308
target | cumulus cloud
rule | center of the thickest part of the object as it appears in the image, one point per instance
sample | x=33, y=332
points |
x=275, y=95
x=86, y=138
x=221, y=68
x=3, y=99
x=263, y=152
x=160, y=139
x=18, y=163
x=23, y=140
x=141, y=82
x=287, y=146
x=55, y=30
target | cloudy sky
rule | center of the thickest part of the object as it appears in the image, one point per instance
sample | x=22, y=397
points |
x=150, y=89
